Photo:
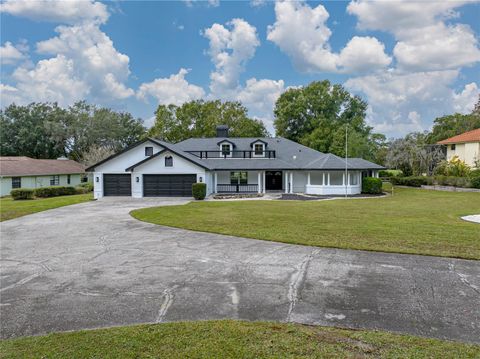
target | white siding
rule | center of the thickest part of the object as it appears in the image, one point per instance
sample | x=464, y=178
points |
x=37, y=182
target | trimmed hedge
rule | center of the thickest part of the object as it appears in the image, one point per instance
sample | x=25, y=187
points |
x=371, y=185
x=87, y=185
x=418, y=181
x=475, y=178
x=54, y=191
x=389, y=173
x=199, y=190
x=22, y=193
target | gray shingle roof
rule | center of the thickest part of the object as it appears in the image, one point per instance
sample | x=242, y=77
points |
x=289, y=155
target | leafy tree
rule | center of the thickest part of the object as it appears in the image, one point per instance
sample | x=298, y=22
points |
x=95, y=154
x=316, y=116
x=26, y=131
x=44, y=130
x=452, y=125
x=200, y=119
x=413, y=155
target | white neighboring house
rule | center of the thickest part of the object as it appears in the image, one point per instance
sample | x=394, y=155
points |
x=155, y=168
x=465, y=146
x=26, y=172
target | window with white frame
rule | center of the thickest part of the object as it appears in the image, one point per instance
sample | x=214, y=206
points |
x=226, y=149
x=238, y=178
x=54, y=180
x=168, y=161
x=148, y=151
x=258, y=149
x=316, y=178
x=336, y=178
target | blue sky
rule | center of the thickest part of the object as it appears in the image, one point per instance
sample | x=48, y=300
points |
x=410, y=61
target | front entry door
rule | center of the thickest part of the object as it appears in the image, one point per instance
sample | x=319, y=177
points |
x=273, y=180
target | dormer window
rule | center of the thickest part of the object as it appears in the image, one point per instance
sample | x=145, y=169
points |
x=258, y=149
x=226, y=149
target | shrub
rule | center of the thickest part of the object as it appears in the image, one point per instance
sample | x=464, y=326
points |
x=22, y=193
x=475, y=178
x=411, y=181
x=87, y=185
x=454, y=168
x=199, y=190
x=371, y=185
x=453, y=181
x=54, y=191
x=390, y=173
x=81, y=190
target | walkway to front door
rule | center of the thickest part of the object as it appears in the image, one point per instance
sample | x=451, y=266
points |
x=273, y=180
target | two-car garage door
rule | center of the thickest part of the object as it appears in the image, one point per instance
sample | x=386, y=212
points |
x=168, y=185
x=153, y=185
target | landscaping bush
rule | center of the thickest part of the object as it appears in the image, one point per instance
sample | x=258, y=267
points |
x=475, y=178
x=413, y=181
x=81, y=190
x=199, y=190
x=453, y=181
x=87, y=185
x=22, y=193
x=54, y=191
x=390, y=173
x=371, y=185
x=453, y=168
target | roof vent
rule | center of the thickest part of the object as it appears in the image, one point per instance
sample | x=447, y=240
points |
x=222, y=131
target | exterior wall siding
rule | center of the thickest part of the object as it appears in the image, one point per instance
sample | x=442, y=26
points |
x=468, y=152
x=37, y=182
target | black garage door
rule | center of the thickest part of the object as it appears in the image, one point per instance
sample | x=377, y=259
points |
x=117, y=185
x=168, y=185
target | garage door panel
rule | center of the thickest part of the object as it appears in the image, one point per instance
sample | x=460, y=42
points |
x=168, y=185
x=117, y=185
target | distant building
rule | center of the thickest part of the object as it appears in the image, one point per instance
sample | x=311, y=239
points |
x=26, y=172
x=465, y=146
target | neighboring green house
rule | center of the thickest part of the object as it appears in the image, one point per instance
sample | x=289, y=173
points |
x=26, y=172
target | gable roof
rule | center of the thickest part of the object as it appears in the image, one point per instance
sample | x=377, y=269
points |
x=469, y=136
x=25, y=166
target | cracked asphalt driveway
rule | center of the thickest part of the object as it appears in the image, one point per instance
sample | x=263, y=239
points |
x=92, y=265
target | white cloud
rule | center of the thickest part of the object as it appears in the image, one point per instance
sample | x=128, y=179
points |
x=8, y=95
x=172, y=90
x=258, y=3
x=84, y=63
x=10, y=54
x=302, y=33
x=68, y=12
x=51, y=80
x=230, y=48
x=401, y=102
x=259, y=96
x=211, y=3
x=425, y=41
x=363, y=54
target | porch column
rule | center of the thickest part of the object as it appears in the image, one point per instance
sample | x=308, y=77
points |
x=214, y=182
x=286, y=181
x=308, y=178
x=348, y=179
x=291, y=182
x=328, y=179
x=264, y=182
x=343, y=179
x=259, y=181
x=323, y=178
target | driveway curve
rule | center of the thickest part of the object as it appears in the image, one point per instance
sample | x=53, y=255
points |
x=92, y=265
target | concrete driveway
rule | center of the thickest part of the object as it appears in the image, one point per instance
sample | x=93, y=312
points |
x=92, y=265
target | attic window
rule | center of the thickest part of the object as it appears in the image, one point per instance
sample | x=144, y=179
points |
x=258, y=149
x=452, y=147
x=226, y=149
x=168, y=161
x=148, y=151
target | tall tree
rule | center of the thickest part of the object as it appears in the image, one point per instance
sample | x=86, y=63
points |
x=452, y=125
x=316, y=116
x=44, y=130
x=200, y=119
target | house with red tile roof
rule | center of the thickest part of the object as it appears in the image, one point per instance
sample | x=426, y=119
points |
x=26, y=172
x=465, y=146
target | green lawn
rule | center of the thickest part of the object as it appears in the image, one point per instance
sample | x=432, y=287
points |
x=412, y=221
x=232, y=339
x=12, y=209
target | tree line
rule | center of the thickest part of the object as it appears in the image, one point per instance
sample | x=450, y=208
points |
x=316, y=115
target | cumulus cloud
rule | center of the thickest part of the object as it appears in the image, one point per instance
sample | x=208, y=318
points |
x=424, y=40
x=67, y=12
x=172, y=90
x=302, y=33
x=401, y=102
x=10, y=54
x=230, y=48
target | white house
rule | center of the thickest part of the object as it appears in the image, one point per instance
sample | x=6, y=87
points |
x=154, y=167
x=26, y=172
